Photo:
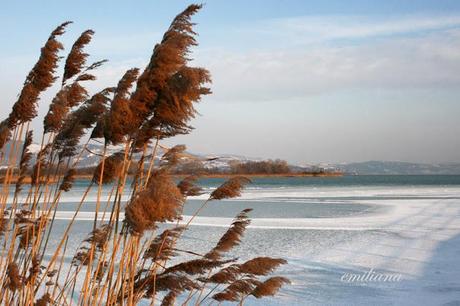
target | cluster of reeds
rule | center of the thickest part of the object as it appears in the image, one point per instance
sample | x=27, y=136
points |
x=131, y=254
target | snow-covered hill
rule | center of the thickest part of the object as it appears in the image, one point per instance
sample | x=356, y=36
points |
x=91, y=157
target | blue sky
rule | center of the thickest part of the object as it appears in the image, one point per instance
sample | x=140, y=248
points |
x=306, y=81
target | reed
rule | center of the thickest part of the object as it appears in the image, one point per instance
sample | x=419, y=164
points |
x=123, y=260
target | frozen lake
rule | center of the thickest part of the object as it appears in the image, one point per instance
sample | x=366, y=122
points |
x=330, y=229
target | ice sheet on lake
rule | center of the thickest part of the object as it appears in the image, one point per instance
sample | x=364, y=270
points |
x=416, y=232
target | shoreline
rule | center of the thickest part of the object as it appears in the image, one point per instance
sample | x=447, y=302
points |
x=27, y=179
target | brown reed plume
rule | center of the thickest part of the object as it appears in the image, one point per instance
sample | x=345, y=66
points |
x=79, y=121
x=99, y=236
x=226, y=275
x=73, y=94
x=38, y=80
x=232, y=236
x=15, y=281
x=45, y=300
x=162, y=247
x=243, y=279
x=230, y=189
x=77, y=58
x=169, y=298
x=4, y=218
x=113, y=166
x=68, y=180
x=155, y=94
x=237, y=290
x=196, y=266
x=37, y=174
x=172, y=157
x=69, y=96
x=119, y=120
x=161, y=201
x=188, y=186
x=261, y=265
x=269, y=287
x=29, y=228
x=26, y=156
x=169, y=282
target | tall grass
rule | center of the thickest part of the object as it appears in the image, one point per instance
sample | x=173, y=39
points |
x=122, y=260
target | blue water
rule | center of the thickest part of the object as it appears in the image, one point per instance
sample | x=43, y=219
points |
x=358, y=180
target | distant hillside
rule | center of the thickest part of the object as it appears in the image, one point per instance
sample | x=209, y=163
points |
x=401, y=168
x=90, y=158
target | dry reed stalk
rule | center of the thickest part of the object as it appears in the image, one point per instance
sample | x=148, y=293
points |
x=62, y=187
x=60, y=266
x=26, y=156
x=66, y=231
x=152, y=161
x=98, y=239
x=6, y=183
x=114, y=217
x=100, y=182
x=11, y=163
x=138, y=177
x=160, y=106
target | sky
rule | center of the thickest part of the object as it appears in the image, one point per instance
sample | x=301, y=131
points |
x=304, y=81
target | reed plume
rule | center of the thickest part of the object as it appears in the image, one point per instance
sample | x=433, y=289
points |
x=237, y=290
x=269, y=287
x=232, y=236
x=226, y=275
x=30, y=228
x=77, y=58
x=26, y=156
x=162, y=247
x=5, y=132
x=37, y=174
x=113, y=166
x=82, y=257
x=196, y=266
x=174, y=106
x=169, y=299
x=188, y=186
x=154, y=96
x=119, y=120
x=161, y=201
x=69, y=96
x=45, y=300
x=78, y=122
x=68, y=180
x=3, y=223
x=15, y=281
x=169, y=282
x=230, y=189
x=99, y=236
x=173, y=156
x=73, y=94
x=38, y=80
x=261, y=265
x=34, y=269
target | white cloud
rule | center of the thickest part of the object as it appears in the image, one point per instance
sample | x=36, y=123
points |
x=428, y=61
x=323, y=28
